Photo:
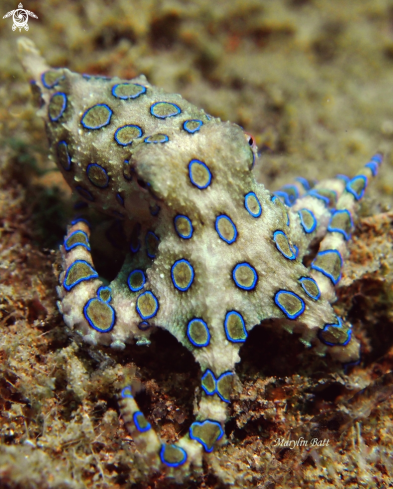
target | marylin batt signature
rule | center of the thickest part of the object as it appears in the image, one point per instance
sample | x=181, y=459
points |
x=300, y=442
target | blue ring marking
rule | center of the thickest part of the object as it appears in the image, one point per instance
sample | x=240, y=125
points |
x=125, y=168
x=309, y=279
x=294, y=251
x=244, y=287
x=110, y=327
x=68, y=166
x=293, y=196
x=205, y=374
x=118, y=215
x=377, y=157
x=104, y=288
x=74, y=245
x=150, y=255
x=136, y=289
x=373, y=165
x=143, y=325
x=63, y=108
x=339, y=230
x=199, y=162
x=201, y=423
x=80, y=219
x=305, y=184
x=50, y=85
x=137, y=248
x=284, y=196
x=314, y=193
x=191, y=268
x=324, y=272
x=130, y=142
x=227, y=316
x=84, y=193
x=120, y=199
x=176, y=107
x=154, y=210
x=83, y=279
x=349, y=189
x=96, y=165
x=176, y=464
x=96, y=77
x=150, y=140
x=342, y=177
x=192, y=131
x=127, y=97
x=311, y=228
x=103, y=124
x=80, y=205
x=335, y=325
x=225, y=374
x=246, y=197
x=287, y=314
x=126, y=393
x=136, y=422
x=253, y=159
x=228, y=219
x=198, y=345
x=184, y=236
x=135, y=235
x=148, y=292
x=274, y=199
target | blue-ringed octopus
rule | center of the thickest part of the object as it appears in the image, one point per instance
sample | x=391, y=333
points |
x=211, y=252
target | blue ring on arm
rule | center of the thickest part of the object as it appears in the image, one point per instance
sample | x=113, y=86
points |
x=349, y=189
x=305, y=279
x=339, y=230
x=126, y=393
x=287, y=314
x=225, y=374
x=310, y=229
x=74, y=245
x=136, y=422
x=94, y=274
x=305, y=184
x=199, y=440
x=373, y=165
x=175, y=464
x=96, y=328
x=323, y=271
x=294, y=251
x=284, y=196
x=335, y=325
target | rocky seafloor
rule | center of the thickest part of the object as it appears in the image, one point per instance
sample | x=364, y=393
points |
x=313, y=82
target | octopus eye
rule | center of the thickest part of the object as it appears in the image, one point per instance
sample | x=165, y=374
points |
x=250, y=140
